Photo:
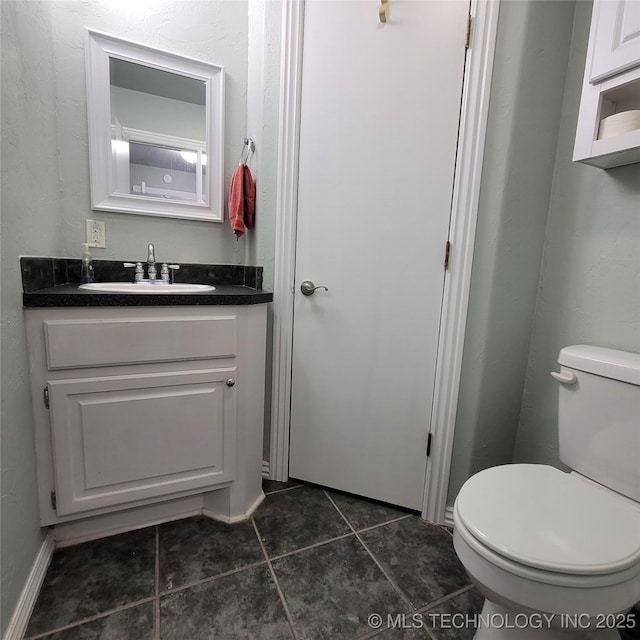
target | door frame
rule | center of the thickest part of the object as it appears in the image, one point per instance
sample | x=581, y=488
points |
x=466, y=191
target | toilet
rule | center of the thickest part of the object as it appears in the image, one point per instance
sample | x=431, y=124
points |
x=557, y=554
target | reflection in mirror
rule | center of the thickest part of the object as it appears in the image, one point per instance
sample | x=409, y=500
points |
x=158, y=131
x=163, y=141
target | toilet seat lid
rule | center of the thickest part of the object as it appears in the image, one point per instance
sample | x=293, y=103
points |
x=542, y=517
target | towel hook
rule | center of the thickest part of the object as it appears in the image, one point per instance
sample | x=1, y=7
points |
x=250, y=147
x=382, y=10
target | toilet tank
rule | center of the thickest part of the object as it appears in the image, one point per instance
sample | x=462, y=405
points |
x=599, y=416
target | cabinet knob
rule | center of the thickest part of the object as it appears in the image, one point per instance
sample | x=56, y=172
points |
x=230, y=382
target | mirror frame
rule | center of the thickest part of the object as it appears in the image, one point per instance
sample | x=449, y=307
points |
x=100, y=47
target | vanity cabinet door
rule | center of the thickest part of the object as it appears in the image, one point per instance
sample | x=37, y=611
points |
x=118, y=439
x=615, y=37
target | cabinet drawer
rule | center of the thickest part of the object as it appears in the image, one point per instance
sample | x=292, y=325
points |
x=119, y=439
x=72, y=344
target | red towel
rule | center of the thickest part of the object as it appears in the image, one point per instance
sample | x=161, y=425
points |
x=242, y=200
x=236, y=201
x=249, y=188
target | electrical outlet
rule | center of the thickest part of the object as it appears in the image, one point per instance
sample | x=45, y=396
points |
x=96, y=234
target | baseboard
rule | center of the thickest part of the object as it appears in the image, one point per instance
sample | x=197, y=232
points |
x=448, y=516
x=26, y=601
x=243, y=517
x=266, y=469
x=85, y=529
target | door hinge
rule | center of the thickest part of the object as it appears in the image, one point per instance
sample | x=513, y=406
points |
x=46, y=397
x=428, y=445
x=54, y=501
x=447, y=251
x=467, y=37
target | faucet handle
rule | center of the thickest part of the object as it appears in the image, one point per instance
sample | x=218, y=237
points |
x=139, y=270
x=170, y=267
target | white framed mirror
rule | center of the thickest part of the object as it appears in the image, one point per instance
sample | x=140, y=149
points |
x=155, y=131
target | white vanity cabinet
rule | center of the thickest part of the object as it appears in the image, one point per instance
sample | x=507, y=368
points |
x=142, y=406
x=611, y=87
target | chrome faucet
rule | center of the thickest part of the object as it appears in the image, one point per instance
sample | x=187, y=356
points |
x=151, y=263
x=166, y=273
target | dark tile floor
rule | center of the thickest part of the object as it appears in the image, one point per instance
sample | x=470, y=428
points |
x=310, y=565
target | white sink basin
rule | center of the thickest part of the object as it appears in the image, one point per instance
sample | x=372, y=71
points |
x=143, y=287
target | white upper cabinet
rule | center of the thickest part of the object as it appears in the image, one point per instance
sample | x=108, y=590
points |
x=616, y=38
x=608, y=131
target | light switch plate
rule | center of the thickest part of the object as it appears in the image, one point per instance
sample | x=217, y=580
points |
x=96, y=236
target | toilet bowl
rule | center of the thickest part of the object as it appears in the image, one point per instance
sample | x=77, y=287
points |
x=536, y=540
x=557, y=554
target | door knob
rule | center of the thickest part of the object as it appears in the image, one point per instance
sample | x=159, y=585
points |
x=308, y=288
x=230, y=382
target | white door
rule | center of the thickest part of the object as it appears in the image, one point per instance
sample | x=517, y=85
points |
x=378, y=133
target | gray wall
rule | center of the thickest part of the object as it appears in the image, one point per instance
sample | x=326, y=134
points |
x=30, y=218
x=524, y=113
x=589, y=291
x=585, y=288
x=149, y=112
x=212, y=31
x=265, y=22
x=536, y=206
x=45, y=192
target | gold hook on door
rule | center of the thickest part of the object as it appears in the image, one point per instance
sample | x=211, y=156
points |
x=382, y=10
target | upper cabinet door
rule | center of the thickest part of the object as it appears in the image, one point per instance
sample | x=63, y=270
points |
x=616, y=35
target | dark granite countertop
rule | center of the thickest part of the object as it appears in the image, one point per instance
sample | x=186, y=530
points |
x=69, y=295
x=54, y=282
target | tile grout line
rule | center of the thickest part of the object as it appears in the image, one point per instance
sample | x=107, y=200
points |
x=443, y=599
x=392, y=582
x=270, y=493
x=224, y=574
x=382, y=524
x=430, y=633
x=283, y=600
x=371, y=635
x=156, y=606
x=93, y=618
x=311, y=546
x=363, y=529
x=424, y=608
x=337, y=508
x=432, y=605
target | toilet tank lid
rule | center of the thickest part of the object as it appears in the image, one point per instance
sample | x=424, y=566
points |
x=609, y=363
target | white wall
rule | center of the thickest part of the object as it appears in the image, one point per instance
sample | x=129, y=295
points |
x=265, y=23
x=149, y=112
x=31, y=222
x=524, y=113
x=589, y=290
x=210, y=30
x=588, y=286
x=45, y=191
x=585, y=288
